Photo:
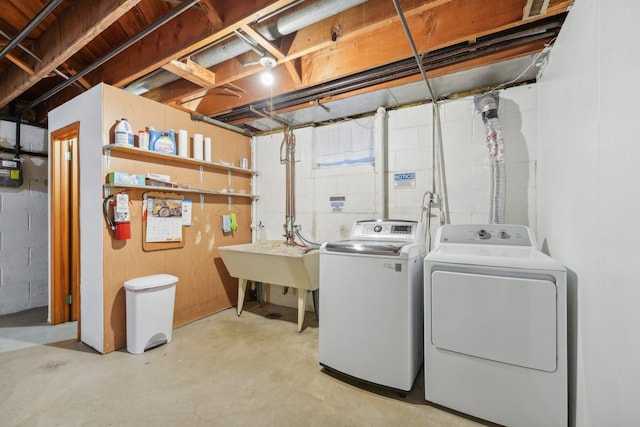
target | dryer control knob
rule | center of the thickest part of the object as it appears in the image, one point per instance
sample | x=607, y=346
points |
x=377, y=228
x=504, y=235
x=483, y=234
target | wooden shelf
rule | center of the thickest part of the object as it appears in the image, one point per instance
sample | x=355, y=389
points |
x=107, y=149
x=109, y=187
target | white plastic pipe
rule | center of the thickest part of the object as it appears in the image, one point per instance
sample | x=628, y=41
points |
x=380, y=167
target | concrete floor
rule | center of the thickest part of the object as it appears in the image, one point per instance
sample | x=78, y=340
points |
x=222, y=370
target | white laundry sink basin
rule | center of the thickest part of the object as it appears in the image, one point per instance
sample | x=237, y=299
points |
x=275, y=263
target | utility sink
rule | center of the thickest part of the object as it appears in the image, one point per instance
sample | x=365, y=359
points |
x=276, y=263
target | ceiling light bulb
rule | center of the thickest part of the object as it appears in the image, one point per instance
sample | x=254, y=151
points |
x=268, y=63
x=266, y=78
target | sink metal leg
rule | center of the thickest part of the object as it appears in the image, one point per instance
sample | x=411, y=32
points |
x=242, y=286
x=316, y=303
x=259, y=293
x=302, y=302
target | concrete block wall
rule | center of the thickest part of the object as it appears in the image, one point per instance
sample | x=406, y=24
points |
x=23, y=225
x=467, y=169
x=409, y=134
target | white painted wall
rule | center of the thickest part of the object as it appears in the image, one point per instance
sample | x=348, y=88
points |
x=23, y=224
x=409, y=150
x=588, y=206
x=87, y=109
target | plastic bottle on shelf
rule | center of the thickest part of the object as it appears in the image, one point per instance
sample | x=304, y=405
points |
x=143, y=139
x=123, y=133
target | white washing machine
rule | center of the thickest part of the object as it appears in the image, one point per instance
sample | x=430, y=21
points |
x=495, y=326
x=371, y=303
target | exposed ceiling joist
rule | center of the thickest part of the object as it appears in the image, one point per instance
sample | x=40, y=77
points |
x=64, y=37
x=193, y=72
x=212, y=14
x=195, y=32
x=20, y=63
x=203, y=56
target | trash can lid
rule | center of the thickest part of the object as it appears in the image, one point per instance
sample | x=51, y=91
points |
x=148, y=282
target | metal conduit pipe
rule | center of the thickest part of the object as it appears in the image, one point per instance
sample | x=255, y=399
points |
x=288, y=145
x=399, y=69
x=30, y=26
x=146, y=31
x=286, y=25
x=37, y=58
x=206, y=119
x=438, y=159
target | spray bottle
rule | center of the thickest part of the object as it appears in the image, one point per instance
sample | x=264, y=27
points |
x=262, y=234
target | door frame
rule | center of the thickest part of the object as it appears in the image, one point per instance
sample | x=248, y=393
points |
x=65, y=224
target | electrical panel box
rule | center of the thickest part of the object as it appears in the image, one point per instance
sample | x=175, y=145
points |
x=10, y=173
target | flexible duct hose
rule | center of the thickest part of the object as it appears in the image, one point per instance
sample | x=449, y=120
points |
x=488, y=106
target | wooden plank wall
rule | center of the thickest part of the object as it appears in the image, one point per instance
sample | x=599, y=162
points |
x=205, y=286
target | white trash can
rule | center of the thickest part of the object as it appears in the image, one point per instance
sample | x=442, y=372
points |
x=150, y=302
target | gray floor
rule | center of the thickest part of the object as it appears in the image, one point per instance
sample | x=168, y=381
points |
x=222, y=370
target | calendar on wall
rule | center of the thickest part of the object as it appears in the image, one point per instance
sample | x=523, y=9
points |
x=162, y=221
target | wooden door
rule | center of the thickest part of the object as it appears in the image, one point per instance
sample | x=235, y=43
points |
x=65, y=225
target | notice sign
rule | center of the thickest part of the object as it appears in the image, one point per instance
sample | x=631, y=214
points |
x=404, y=180
x=337, y=203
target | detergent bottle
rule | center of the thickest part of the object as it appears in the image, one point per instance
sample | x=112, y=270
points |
x=124, y=133
x=162, y=141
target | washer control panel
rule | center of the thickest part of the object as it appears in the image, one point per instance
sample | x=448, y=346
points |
x=486, y=234
x=388, y=230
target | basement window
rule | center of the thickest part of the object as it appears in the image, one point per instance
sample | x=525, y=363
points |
x=343, y=144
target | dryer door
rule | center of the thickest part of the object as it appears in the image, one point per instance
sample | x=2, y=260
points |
x=506, y=319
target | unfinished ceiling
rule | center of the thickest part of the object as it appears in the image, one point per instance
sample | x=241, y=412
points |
x=330, y=58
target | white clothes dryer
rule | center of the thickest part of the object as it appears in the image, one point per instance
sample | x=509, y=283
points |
x=371, y=303
x=495, y=326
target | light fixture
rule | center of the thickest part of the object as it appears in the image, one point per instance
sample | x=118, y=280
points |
x=266, y=77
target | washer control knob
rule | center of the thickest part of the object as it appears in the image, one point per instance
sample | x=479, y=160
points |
x=504, y=235
x=483, y=234
x=377, y=228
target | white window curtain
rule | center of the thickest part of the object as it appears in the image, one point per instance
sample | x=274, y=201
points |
x=342, y=144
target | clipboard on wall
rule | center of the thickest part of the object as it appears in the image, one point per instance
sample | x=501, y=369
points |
x=162, y=221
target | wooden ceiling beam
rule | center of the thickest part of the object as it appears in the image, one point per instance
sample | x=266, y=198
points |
x=371, y=37
x=226, y=73
x=433, y=25
x=273, y=50
x=263, y=42
x=179, y=38
x=209, y=104
x=212, y=14
x=19, y=62
x=371, y=19
x=359, y=21
x=193, y=72
x=64, y=37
